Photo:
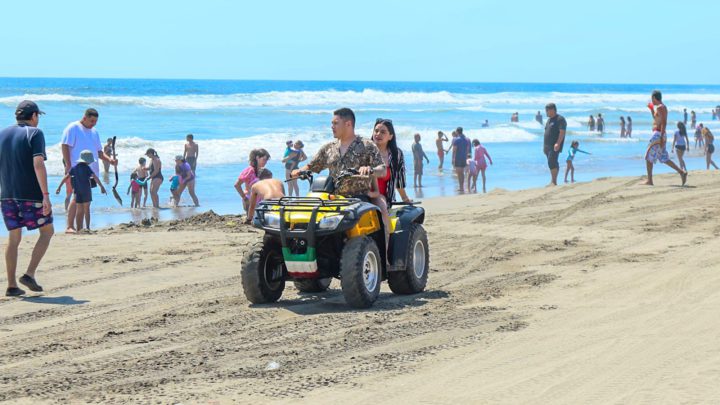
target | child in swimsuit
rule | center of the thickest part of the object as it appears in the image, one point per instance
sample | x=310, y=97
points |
x=574, y=149
x=174, y=185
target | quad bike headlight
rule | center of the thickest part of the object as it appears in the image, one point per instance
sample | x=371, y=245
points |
x=272, y=220
x=330, y=222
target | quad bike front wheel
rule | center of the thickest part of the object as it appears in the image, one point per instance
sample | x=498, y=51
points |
x=413, y=278
x=313, y=285
x=360, y=272
x=263, y=273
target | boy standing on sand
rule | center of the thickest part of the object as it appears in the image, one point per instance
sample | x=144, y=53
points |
x=192, y=150
x=80, y=177
x=24, y=192
x=418, y=155
x=656, y=150
x=266, y=188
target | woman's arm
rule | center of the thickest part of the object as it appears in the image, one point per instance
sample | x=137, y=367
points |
x=488, y=156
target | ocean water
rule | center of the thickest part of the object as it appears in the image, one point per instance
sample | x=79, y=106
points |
x=230, y=118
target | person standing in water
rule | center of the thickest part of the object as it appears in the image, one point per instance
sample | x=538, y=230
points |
x=539, y=118
x=418, y=156
x=591, y=123
x=570, y=168
x=600, y=123
x=681, y=143
x=192, y=150
x=622, y=127
x=554, y=139
x=629, y=127
x=685, y=116
x=693, y=119
x=441, y=137
x=709, y=147
x=480, y=163
x=698, y=137
x=108, y=151
x=292, y=159
x=656, y=149
x=156, y=177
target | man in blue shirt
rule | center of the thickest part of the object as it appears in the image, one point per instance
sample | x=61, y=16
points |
x=461, y=150
x=24, y=192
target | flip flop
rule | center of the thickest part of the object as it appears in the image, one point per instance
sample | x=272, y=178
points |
x=30, y=283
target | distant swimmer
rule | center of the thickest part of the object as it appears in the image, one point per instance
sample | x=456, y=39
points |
x=622, y=127
x=629, y=127
x=698, y=137
x=656, y=150
x=486, y=124
x=441, y=137
x=693, y=119
x=600, y=123
x=685, y=116
x=591, y=123
x=539, y=118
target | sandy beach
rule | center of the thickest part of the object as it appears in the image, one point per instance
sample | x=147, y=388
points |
x=601, y=292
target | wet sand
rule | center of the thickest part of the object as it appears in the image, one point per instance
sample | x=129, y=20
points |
x=601, y=292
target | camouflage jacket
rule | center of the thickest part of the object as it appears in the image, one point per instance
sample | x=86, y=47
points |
x=361, y=152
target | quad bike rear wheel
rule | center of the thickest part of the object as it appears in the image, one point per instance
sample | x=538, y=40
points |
x=263, y=273
x=413, y=278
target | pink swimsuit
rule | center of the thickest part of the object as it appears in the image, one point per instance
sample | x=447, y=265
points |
x=480, y=153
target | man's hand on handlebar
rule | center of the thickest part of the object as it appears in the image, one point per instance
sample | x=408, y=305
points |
x=365, y=170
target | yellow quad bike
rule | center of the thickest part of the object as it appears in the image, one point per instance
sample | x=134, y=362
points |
x=311, y=240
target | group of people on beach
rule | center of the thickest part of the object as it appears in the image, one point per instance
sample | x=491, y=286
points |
x=468, y=159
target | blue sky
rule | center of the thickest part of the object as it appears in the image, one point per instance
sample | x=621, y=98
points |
x=476, y=41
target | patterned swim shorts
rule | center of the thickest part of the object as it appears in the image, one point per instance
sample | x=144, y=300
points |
x=657, y=152
x=28, y=214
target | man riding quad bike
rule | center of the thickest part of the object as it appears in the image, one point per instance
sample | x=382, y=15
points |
x=310, y=240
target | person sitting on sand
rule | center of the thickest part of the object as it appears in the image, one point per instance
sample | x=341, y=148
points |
x=258, y=159
x=709, y=147
x=681, y=143
x=80, y=176
x=656, y=149
x=265, y=188
x=574, y=149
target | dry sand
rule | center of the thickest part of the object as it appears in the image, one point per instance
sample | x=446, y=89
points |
x=606, y=292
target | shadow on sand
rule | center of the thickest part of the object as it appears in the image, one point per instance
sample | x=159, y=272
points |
x=64, y=300
x=332, y=301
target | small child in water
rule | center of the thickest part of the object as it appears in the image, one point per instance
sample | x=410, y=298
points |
x=174, y=185
x=136, y=186
x=571, y=155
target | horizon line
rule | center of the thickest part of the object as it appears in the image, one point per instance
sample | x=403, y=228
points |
x=353, y=81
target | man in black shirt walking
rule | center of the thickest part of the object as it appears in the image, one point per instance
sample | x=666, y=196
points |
x=554, y=138
x=24, y=192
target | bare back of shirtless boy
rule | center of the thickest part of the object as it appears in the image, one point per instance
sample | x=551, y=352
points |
x=264, y=190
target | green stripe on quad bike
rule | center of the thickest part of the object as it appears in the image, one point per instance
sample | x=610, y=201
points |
x=308, y=256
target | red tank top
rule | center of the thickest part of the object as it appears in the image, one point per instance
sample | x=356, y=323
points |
x=383, y=181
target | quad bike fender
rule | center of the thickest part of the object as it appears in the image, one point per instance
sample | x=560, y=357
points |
x=400, y=238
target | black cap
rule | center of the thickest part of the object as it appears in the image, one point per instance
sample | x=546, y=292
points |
x=27, y=107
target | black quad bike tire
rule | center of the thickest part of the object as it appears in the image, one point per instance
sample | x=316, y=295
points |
x=357, y=256
x=408, y=281
x=257, y=267
x=313, y=285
